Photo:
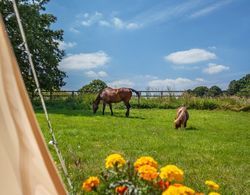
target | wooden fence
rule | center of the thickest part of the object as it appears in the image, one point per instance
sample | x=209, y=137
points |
x=146, y=94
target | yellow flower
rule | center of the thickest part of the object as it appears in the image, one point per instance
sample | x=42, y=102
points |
x=178, y=190
x=114, y=160
x=214, y=193
x=90, y=183
x=171, y=172
x=147, y=172
x=145, y=160
x=212, y=185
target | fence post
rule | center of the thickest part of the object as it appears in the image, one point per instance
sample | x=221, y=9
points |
x=161, y=94
x=50, y=95
x=72, y=93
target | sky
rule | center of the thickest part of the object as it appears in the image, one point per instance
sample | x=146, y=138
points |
x=153, y=44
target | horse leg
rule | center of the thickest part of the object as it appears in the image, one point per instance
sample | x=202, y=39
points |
x=185, y=124
x=103, y=108
x=128, y=107
x=110, y=106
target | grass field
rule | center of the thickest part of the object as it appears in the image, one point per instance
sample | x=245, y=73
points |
x=216, y=144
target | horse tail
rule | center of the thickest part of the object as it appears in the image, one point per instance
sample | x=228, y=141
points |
x=137, y=93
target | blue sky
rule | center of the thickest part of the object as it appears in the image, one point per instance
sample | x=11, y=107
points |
x=156, y=44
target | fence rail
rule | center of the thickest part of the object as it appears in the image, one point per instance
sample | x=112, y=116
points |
x=147, y=94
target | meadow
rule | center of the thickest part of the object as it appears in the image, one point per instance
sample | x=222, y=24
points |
x=214, y=146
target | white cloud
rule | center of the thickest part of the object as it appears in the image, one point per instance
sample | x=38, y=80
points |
x=92, y=74
x=74, y=30
x=147, y=76
x=121, y=83
x=190, y=56
x=99, y=19
x=90, y=19
x=209, y=9
x=104, y=23
x=215, y=68
x=132, y=25
x=212, y=47
x=85, y=61
x=174, y=84
x=200, y=79
x=66, y=45
x=119, y=24
x=163, y=12
x=102, y=74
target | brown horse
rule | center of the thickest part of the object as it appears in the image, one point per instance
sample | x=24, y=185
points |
x=109, y=96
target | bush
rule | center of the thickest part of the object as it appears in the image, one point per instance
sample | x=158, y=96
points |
x=84, y=101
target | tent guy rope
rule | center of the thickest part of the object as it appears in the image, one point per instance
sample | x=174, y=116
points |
x=40, y=94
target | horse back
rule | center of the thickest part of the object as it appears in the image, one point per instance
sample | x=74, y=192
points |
x=110, y=95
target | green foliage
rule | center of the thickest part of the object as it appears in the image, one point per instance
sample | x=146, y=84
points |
x=200, y=91
x=94, y=86
x=214, y=91
x=215, y=144
x=240, y=87
x=42, y=41
x=84, y=101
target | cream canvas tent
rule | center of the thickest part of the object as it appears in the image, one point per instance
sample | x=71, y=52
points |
x=26, y=166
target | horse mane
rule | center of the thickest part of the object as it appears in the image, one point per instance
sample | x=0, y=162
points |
x=98, y=98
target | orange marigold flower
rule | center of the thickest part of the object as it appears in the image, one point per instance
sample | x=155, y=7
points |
x=162, y=184
x=148, y=172
x=171, y=172
x=114, y=160
x=212, y=185
x=90, y=184
x=145, y=160
x=121, y=189
x=178, y=190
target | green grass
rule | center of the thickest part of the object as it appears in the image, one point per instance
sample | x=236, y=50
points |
x=214, y=146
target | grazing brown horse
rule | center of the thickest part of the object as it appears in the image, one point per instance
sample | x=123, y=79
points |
x=181, y=117
x=109, y=96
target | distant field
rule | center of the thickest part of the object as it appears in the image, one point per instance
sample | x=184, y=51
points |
x=216, y=144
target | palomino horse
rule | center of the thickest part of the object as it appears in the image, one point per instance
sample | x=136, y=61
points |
x=181, y=118
x=109, y=96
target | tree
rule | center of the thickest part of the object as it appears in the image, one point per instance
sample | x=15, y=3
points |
x=233, y=87
x=241, y=86
x=214, y=91
x=94, y=86
x=43, y=43
x=200, y=91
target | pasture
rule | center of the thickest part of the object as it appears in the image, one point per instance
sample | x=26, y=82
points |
x=214, y=146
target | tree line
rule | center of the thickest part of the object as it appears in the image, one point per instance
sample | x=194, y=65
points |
x=239, y=87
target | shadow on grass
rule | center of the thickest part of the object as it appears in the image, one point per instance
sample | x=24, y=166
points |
x=68, y=112
x=87, y=113
x=191, y=128
x=130, y=116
